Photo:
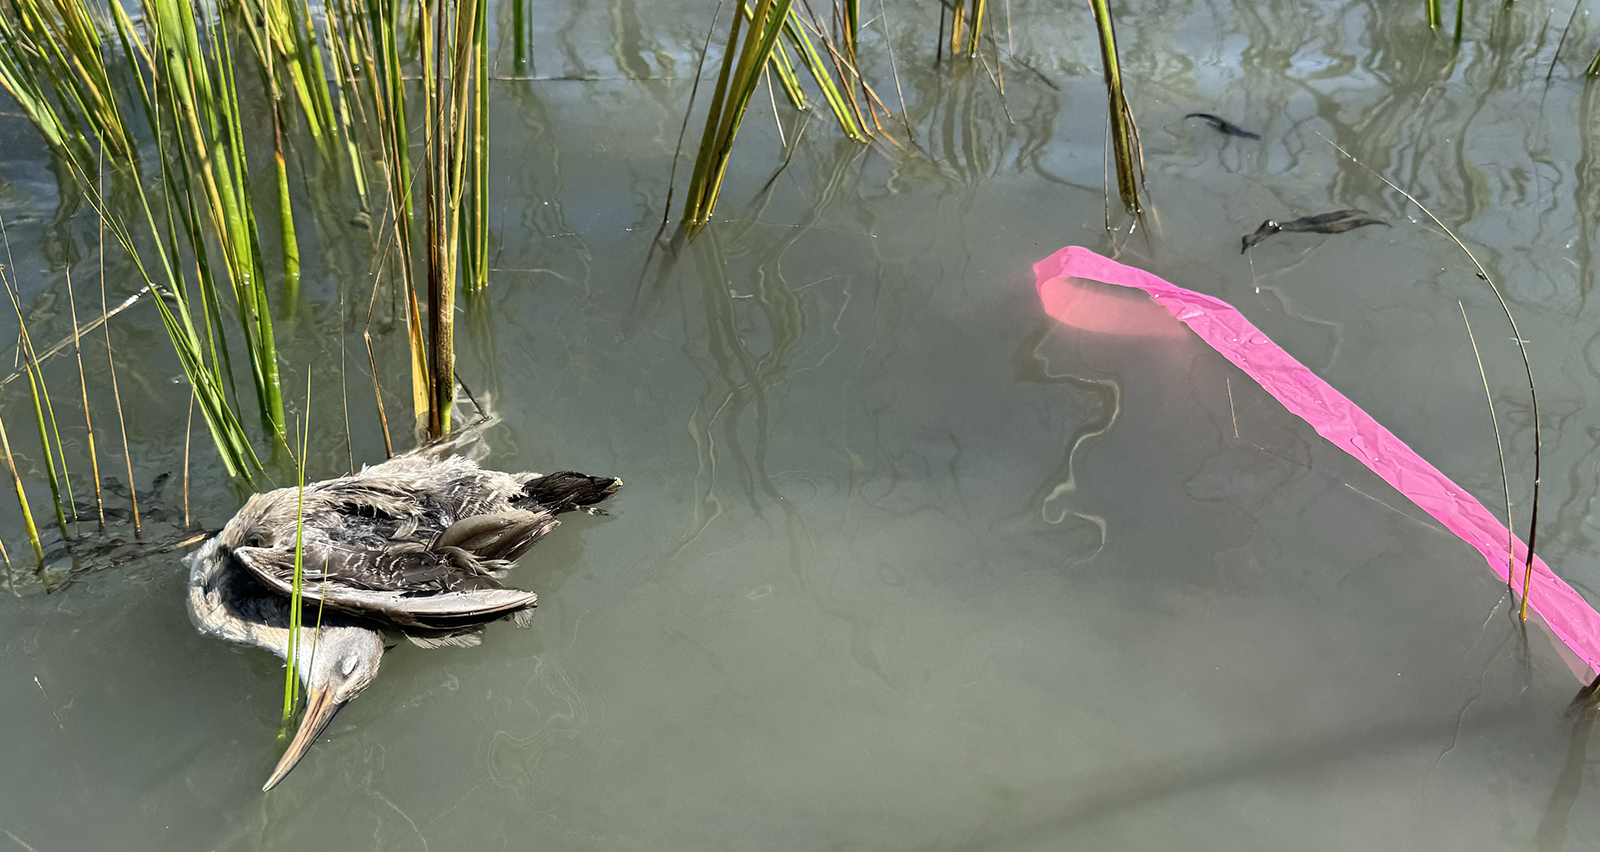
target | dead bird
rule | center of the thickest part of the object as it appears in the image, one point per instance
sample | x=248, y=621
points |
x=416, y=545
x=1336, y=222
x=1224, y=126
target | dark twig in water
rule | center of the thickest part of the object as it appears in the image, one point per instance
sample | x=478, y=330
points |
x=1559, y=42
x=1522, y=349
x=1337, y=222
x=1223, y=126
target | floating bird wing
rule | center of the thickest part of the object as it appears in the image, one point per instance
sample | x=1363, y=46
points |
x=449, y=584
x=566, y=490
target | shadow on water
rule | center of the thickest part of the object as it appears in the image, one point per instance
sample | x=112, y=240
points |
x=1552, y=834
x=1120, y=792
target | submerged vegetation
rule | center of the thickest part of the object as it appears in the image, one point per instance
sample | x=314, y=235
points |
x=761, y=36
x=174, y=188
x=189, y=165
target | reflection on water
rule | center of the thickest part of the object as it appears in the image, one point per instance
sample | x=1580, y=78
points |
x=901, y=564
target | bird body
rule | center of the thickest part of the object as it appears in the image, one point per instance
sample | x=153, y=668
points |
x=415, y=545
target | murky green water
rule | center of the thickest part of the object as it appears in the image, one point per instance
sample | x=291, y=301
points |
x=900, y=563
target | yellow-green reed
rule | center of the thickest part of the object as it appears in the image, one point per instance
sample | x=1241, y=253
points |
x=372, y=29
x=203, y=98
x=737, y=80
x=976, y=28
x=291, y=674
x=795, y=32
x=1124, y=134
x=475, y=206
x=286, y=39
x=83, y=385
x=22, y=496
x=44, y=412
x=18, y=79
x=65, y=41
x=451, y=42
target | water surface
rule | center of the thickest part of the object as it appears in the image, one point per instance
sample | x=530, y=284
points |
x=900, y=563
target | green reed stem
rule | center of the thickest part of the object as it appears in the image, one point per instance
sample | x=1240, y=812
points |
x=519, y=37
x=782, y=65
x=291, y=675
x=1435, y=15
x=736, y=83
x=206, y=110
x=41, y=400
x=450, y=46
x=976, y=30
x=22, y=497
x=18, y=79
x=340, y=44
x=475, y=207
x=1124, y=134
x=232, y=445
x=795, y=32
x=83, y=385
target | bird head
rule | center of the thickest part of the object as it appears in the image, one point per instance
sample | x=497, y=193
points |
x=335, y=666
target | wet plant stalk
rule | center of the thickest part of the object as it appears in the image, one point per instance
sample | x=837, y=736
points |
x=204, y=102
x=795, y=32
x=736, y=83
x=475, y=205
x=1522, y=350
x=978, y=7
x=22, y=497
x=519, y=36
x=1124, y=134
x=291, y=675
x=116, y=392
x=88, y=420
x=40, y=395
x=449, y=63
x=1499, y=447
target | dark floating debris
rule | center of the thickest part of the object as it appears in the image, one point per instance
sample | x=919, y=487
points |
x=1223, y=125
x=1336, y=222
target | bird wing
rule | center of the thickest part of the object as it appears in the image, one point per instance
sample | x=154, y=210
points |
x=447, y=585
x=501, y=536
x=566, y=490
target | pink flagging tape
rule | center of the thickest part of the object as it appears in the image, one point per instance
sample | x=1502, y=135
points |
x=1333, y=415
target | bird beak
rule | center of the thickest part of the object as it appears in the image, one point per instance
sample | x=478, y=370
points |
x=320, y=708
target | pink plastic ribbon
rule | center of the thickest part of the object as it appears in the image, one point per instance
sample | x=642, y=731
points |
x=1334, y=417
